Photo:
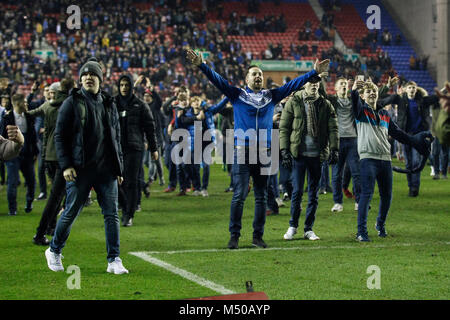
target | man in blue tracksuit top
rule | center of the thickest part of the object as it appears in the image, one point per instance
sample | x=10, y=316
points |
x=253, y=112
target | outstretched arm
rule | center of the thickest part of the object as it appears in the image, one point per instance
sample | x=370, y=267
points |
x=295, y=84
x=218, y=107
x=216, y=79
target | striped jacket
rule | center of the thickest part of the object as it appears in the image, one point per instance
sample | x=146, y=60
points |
x=374, y=128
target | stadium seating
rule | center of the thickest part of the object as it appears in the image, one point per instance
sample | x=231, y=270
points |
x=399, y=54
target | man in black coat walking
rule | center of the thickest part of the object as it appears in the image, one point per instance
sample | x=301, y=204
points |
x=137, y=128
x=87, y=142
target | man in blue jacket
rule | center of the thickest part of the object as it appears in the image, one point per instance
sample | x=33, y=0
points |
x=87, y=142
x=253, y=117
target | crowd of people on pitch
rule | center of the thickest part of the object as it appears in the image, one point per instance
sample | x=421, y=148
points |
x=95, y=141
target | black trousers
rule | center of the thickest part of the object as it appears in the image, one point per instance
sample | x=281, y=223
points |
x=130, y=188
x=57, y=193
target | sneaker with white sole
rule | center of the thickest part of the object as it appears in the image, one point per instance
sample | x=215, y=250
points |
x=116, y=267
x=290, y=233
x=337, y=207
x=310, y=235
x=356, y=207
x=54, y=260
x=279, y=202
x=205, y=193
x=196, y=193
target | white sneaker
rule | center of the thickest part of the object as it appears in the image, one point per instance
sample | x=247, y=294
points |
x=337, y=207
x=290, y=233
x=205, y=193
x=116, y=267
x=432, y=171
x=310, y=235
x=54, y=260
x=279, y=202
x=196, y=193
x=356, y=207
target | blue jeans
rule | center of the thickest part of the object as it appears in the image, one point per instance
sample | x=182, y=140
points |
x=348, y=154
x=26, y=165
x=301, y=166
x=170, y=165
x=324, y=182
x=440, y=157
x=194, y=173
x=412, y=160
x=205, y=177
x=241, y=177
x=105, y=185
x=372, y=171
x=272, y=192
x=286, y=180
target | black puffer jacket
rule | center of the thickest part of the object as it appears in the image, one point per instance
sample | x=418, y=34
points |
x=136, y=121
x=69, y=141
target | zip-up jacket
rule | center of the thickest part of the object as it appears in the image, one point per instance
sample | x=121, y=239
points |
x=253, y=111
x=374, y=128
x=293, y=125
x=69, y=141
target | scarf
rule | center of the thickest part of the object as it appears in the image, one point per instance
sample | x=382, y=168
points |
x=311, y=116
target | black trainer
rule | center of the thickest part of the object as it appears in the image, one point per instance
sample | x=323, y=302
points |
x=259, y=242
x=41, y=241
x=233, y=243
x=29, y=207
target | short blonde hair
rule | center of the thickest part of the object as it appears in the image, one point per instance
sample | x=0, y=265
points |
x=369, y=85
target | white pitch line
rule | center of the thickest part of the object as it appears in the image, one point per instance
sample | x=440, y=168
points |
x=183, y=273
x=362, y=246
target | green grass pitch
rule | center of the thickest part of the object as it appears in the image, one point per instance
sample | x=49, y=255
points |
x=191, y=233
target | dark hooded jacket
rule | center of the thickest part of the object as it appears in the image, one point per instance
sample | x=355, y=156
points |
x=136, y=121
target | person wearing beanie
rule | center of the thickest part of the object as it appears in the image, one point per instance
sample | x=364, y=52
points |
x=49, y=111
x=87, y=144
x=138, y=128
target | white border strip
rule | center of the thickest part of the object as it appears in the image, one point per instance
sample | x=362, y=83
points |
x=183, y=273
x=361, y=246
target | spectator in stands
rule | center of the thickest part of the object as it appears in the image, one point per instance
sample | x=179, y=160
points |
x=412, y=63
x=386, y=37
